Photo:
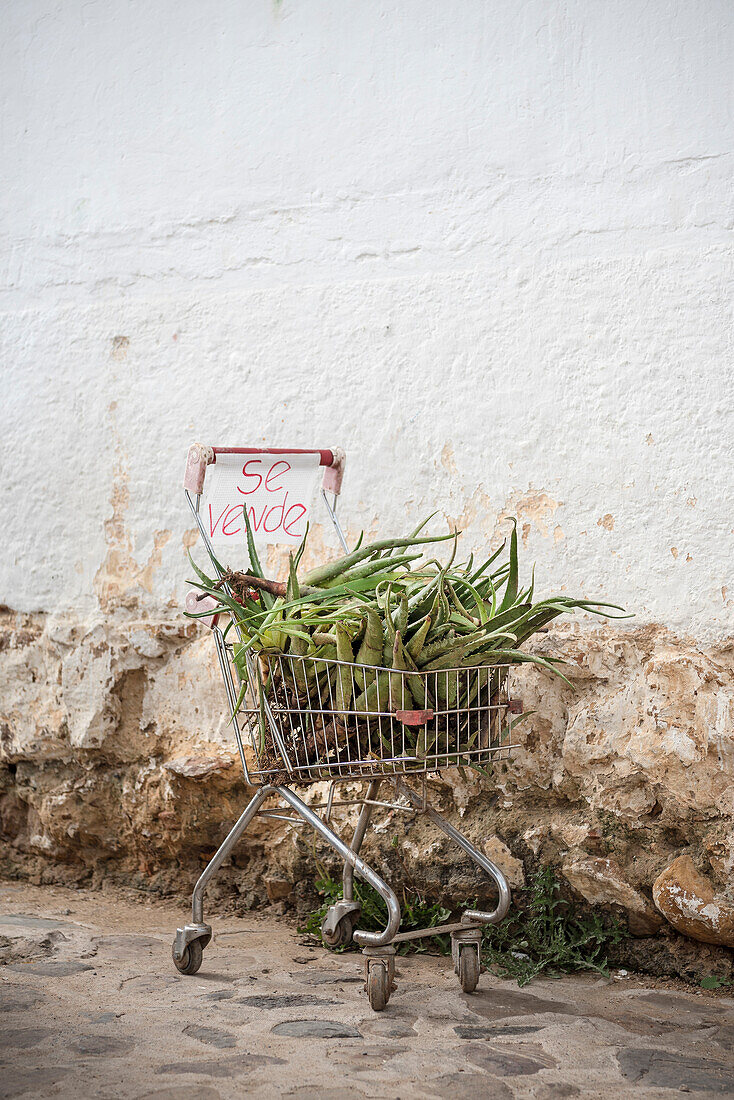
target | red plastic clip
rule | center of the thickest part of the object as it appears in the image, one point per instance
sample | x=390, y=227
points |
x=196, y=603
x=414, y=717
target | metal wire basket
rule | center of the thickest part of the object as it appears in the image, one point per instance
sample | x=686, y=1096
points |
x=314, y=718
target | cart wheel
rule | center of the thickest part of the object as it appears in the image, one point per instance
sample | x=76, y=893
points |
x=468, y=967
x=190, y=961
x=378, y=985
x=341, y=935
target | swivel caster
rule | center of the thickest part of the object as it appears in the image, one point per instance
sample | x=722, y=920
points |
x=468, y=967
x=191, y=959
x=188, y=947
x=465, y=950
x=380, y=975
x=378, y=985
x=339, y=922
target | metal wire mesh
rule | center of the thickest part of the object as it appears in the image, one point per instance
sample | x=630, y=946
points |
x=315, y=718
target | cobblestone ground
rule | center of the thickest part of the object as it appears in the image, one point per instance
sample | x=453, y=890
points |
x=92, y=1007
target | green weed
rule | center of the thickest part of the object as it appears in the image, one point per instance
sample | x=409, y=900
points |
x=542, y=932
x=713, y=981
x=416, y=912
x=546, y=935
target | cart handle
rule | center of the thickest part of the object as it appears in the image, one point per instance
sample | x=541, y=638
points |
x=199, y=457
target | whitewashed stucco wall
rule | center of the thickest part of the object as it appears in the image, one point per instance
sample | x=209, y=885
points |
x=485, y=247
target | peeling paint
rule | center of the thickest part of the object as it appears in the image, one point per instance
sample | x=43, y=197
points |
x=478, y=510
x=120, y=345
x=119, y=578
x=447, y=459
x=533, y=506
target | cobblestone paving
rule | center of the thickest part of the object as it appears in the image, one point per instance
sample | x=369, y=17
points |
x=91, y=1006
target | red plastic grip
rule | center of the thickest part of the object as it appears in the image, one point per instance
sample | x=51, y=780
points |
x=326, y=458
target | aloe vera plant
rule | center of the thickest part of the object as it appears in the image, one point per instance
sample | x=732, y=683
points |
x=386, y=616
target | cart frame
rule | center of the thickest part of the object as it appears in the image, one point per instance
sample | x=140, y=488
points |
x=340, y=924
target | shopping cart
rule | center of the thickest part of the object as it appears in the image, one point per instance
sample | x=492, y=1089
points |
x=301, y=730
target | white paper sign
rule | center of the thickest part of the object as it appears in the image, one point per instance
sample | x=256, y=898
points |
x=277, y=490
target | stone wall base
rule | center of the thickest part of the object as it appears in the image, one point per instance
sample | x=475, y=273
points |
x=117, y=764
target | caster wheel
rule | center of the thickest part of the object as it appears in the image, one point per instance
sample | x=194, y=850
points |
x=468, y=967
x=378, y=985
x=340, y=935
x=190, y=961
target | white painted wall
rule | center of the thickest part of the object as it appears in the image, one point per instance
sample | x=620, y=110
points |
x=484, y=246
